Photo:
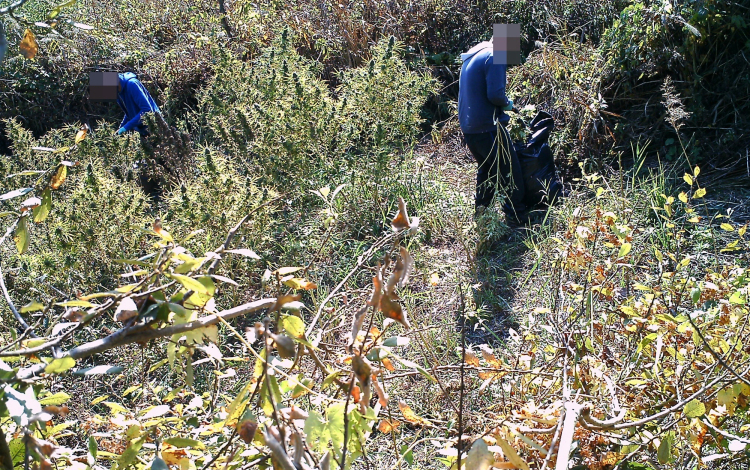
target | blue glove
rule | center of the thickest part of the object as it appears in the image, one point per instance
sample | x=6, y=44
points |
x=509, y=106
x=120, y=131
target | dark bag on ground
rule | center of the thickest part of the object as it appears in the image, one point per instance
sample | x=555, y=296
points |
x=539, y=175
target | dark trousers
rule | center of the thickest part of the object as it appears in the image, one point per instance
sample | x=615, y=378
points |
x=499, y=167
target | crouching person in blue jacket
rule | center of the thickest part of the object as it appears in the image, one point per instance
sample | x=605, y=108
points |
x=135, y=101
x=482, y=107
x=130, y=94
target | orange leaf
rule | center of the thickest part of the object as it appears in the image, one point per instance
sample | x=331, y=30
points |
x=401, y=221
x=28, y=46
x=393, y=310
x=59, y=178
x=489, y=356
x=30, y=204
x=387, y=364
x=382, y=396
x=471, y=358
x=356, y=394
x=377, y=288
x=410, y=416
x=387, y=426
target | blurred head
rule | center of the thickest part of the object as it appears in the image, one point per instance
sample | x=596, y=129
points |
x=104, y=86
x=506, y=44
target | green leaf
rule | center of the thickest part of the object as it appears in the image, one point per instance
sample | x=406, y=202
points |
x=17, y=450
x=624, y=250
x=316, y=431
x=56, y=11
x=244, y=252
x=21, y=236
x=694, y=409
x=99, y=370
x=695, y=294
x=32, y=306
x=191, y=284
x=42, y=211
x=15, y=193
x=60, y=365
x=293, y=325
x=394, y=341
x=664, y=453
x=737, y=298
x=93, y=447
x=130, y=453
x=378, y=353
x=55, y=399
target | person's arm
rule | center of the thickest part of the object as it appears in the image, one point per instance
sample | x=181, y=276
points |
x=495, y=77
x=138, y=93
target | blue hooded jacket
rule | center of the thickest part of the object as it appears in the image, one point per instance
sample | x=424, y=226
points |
x=481, y=91
x=134, y=100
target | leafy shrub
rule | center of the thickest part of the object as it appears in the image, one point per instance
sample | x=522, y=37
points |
x=281, y=119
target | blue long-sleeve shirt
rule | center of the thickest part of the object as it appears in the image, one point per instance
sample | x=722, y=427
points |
x=481, y=91
x=134, y=100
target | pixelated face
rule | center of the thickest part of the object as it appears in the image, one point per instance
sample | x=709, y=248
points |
x=506, y=44
x=104, y=86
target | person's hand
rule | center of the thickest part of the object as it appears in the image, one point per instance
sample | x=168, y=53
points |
x=120, y=131
x=509, y=106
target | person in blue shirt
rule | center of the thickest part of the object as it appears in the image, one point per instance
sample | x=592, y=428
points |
x=134, y=100
x=482, y=107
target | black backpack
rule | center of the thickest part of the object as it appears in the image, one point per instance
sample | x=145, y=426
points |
x=537, y=163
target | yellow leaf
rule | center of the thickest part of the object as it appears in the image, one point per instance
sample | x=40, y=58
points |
x=699, y=193
x=683, y=197
x=21, y=236
x=410, y=416
x=688, y=179
x=624, y=250
x=59, y=178
x=434, y=279
x=511, y=454
x=28, y=46
x=742, y=230
x=696, y=171
x=172, y=455
x=166, y=236
x=694, y=220
x=727, y=227
x=81, y=134
x=299, y=283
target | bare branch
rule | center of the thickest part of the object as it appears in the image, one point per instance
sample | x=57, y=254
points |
x=144, y=333
x=11, y=7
